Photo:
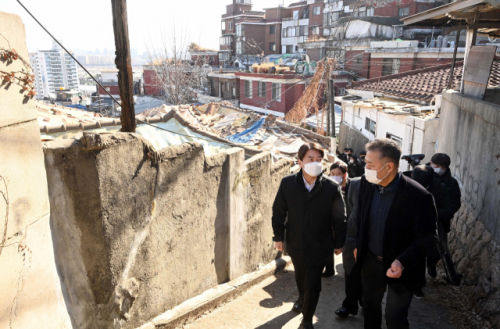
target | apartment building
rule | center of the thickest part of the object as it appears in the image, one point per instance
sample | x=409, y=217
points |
x=54, y=69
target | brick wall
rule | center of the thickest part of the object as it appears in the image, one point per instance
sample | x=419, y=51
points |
x=358, y=62
x=150, y=83
x=316, y=19
x=255, y=35
x=375, y=68
x=276, y=38
x=113, y=90
x=314, y=54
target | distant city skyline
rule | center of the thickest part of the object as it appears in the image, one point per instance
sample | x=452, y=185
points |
x=87, y=25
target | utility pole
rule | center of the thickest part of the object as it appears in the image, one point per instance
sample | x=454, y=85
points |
x=331, y=103
x=124, y=65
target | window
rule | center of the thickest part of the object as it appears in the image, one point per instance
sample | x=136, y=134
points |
x=317, y=11
x=404, y=11
x=291, y=31
x=262, y=89
x=240, y=30
x=289, y=49
x=276, y=92
x=272, y=46
x=370, y=11
x=239, y=47
x=359, y=59
x=341, y=91
x=272, y=29
x=227, y=86
x=226, y=40
x=315, y=30
x=285, y=34
x=390, y=66
x=234, y=92
x=230, y=25
x=295, y=15
x=395, y=138
x=303, y=31
x=248, y=89
x=224, y=56
x=223, y=25
x=370, y=125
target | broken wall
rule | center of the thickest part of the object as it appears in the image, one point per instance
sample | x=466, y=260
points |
x=469, y=133
x=30, y=289
x=352, y=138
x=140, y=231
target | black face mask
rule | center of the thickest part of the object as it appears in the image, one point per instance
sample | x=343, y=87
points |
x=349, y=155
x=362, y=159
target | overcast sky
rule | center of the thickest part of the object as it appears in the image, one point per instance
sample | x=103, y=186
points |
x=87, y=24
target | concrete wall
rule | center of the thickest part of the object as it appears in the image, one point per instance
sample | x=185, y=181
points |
x=30, y=290
x=469, y=133
x=140, y=231
x=352, y=138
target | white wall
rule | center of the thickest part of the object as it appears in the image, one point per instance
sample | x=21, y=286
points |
x=418, y=136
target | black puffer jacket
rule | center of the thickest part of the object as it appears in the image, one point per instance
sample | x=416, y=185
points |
x=308, y=218
x=454, y=190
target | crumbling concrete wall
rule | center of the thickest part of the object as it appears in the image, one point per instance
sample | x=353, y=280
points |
x=262, y=179
x=469, y=133
x=30, y=290
x=140, y=230
x=352, y=138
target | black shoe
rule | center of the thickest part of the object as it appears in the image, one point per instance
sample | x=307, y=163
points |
x=306, y=325
x=431, y=270
x=327, y=274
x=419, y=294
x=344, y=313
x=297, y=306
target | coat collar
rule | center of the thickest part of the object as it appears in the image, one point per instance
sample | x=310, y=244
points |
x=299, y=180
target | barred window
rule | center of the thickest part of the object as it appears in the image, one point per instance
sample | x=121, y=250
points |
x=262, y=89
x=276, y=92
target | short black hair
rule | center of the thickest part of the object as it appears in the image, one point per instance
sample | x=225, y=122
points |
x=339, y=164
x=423, y=175
x=309, y=146
x=350, y=149
x=362, y=153
x=346, y=149
x=387, y=148
x=441, y=159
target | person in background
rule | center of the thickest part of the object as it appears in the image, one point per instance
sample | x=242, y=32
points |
x=352, y=270
x=338, y=172
x=310, y=209
x=344, y=156
x=354, y=167
x=362, y=156
x=396, y=227
x=425, y=176
x=440, y=162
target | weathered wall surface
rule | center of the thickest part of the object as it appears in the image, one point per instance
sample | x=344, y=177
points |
x=30, y=291
x=262, y=178
x=352, y=138
x=469, y=132
x=140, y=231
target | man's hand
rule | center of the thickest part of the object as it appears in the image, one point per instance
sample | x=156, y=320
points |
x=338, y=251
x=356, y=254
x=279, y=245
x=396, y=270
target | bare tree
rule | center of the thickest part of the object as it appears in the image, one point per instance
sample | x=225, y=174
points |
x=177, y=74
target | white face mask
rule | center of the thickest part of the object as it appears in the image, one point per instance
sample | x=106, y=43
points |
x=352, y=161
x=438, y=171
x=313, y=168
x=371, y=175
x=338, y=179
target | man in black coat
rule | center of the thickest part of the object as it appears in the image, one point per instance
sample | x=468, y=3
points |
x=307, y=207
x=425, y=176
x=352, y=272
x=440, y=162
x=396, y=219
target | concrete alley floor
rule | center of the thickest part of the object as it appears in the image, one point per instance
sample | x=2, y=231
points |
x=268, y=306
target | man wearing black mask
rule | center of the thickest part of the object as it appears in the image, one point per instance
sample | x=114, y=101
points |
x=425, y=176
x=310, y=208
x=396, y=219
x=362, y=156
x=440, y=162
x=344, y=156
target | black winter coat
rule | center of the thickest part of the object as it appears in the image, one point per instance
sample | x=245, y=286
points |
x=444, y=205
x=410, y=228
x=454, y=191
x=308, y=218
x=348, y=259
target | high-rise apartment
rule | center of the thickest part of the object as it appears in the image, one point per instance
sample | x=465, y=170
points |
x=54, y=69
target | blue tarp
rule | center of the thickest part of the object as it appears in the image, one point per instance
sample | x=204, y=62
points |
x=77, y=106
x=245, y=136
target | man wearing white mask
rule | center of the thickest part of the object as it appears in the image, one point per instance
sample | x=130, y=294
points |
x=306, y=208
x=396, y=219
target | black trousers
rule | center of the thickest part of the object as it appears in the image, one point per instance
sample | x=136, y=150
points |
x=353, y=290
x=308, y=281
x=434, y=257
x=374, y=287
x=330, y=264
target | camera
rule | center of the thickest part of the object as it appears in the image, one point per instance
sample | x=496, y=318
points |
x=413, y=159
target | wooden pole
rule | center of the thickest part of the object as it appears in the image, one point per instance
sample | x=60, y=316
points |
x=123, y=63
x=450, y=82
x=332, y=107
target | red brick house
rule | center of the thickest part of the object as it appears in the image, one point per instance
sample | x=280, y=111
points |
x=205, y=56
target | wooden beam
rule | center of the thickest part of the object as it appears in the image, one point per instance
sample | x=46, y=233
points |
x=440, y=11
x=124, y=65
x=450, y=82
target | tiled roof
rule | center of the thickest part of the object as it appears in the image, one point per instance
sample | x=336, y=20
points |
x=300, y=3
x=253, y=12
x=422, y=85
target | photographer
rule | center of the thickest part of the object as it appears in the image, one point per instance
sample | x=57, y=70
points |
x=355, y=168
x=425, y=176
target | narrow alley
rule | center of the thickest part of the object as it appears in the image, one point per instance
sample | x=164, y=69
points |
x=268, y=306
